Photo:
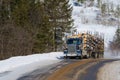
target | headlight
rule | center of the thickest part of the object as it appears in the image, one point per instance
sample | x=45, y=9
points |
x=78, y=51
x=65, y=51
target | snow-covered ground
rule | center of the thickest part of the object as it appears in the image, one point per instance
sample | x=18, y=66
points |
x=114, y=2
x=110, y=71
x=13, y=68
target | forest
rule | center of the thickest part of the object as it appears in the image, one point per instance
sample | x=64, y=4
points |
x=33, y=26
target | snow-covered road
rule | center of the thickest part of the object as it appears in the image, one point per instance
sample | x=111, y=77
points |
x=110, y=71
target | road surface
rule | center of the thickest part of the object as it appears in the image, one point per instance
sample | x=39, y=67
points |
x=70, y=69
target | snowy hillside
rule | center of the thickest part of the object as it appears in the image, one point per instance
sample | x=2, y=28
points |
x=115, y=2
x=85, y=19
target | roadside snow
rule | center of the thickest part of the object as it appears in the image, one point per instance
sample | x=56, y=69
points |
x=13, y=68
x=110, y=71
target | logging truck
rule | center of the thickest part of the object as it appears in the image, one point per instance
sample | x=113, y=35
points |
x=84, y=45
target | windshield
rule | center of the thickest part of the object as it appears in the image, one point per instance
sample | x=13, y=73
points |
x=74, y=41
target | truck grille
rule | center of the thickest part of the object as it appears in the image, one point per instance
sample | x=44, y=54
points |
x=71, y=48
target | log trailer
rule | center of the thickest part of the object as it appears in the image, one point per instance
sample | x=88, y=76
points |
x=84, y=45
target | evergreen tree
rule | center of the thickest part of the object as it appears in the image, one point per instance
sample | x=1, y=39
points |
x=82, y=1
x=5, y=31
x=99, y=3
x=28, y=26
x=43, y=38
x=59, y=12
x=117, y=37
x=117, y=12
x=4, y=13
x=115, y=44
x=20, y=40
x=20, y=12
x=112, y=8
x=103, y=8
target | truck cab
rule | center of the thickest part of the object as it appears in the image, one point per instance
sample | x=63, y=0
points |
x=73, y=48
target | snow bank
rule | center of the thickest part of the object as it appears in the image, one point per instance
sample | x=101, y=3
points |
x=110, y=71
x=14, y=62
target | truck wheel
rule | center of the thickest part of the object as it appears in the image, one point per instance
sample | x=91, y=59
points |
x=85, y=56
x=81, y=57
x=66, y=57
